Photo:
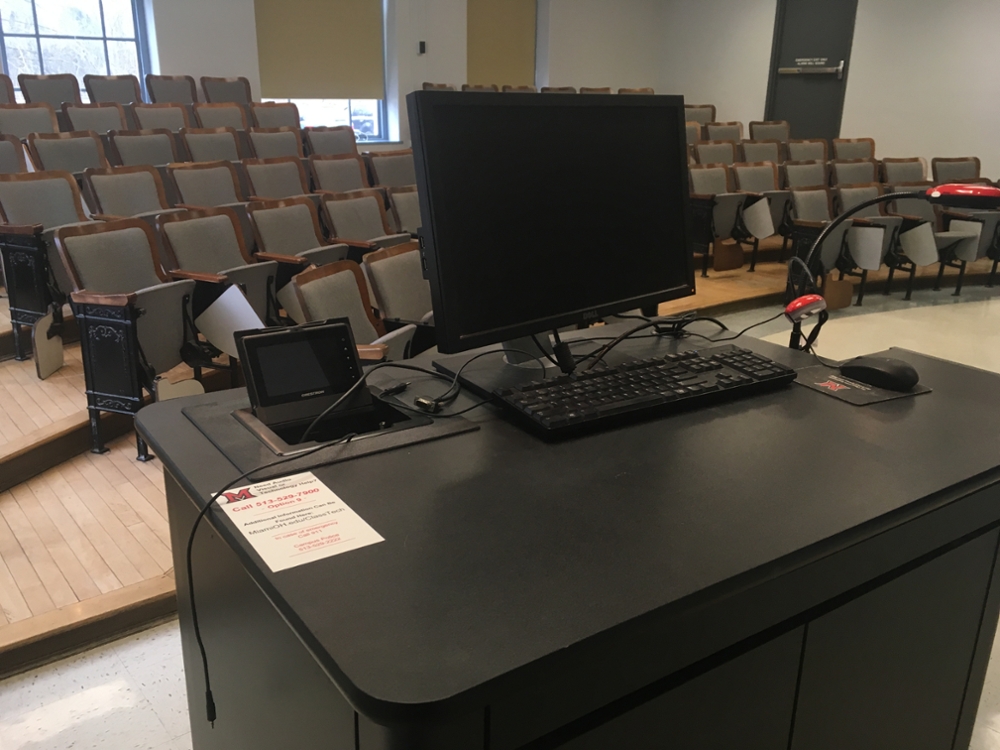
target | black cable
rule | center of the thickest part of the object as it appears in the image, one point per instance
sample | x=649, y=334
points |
x=737, y=335
x=542, y=350
x=209, y=700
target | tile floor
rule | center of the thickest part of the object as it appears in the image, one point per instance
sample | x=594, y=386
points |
x=129, y=695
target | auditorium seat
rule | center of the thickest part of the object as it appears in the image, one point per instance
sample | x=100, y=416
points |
x=12, y=158
x=280, y=177
x=220, y=115
x=643, y=90
x=211, y=184
x=853, y=171
x=805, y=174
x=492, y=87
x=268, y=143
x=812, y=210
x=693, y=131
x=331, y=141
x=101, y=117
x=507, y=88
x=21, y=119
x=405, y=205
x=118, y=89
x=171, y=89
x=276, y=115
x=166, y=115
x=862, y=255
x=762, y=178
x=715, y=207
x=700, y=113
x=428, y=86
x=806, y=150
x=955, y=169
x=392, y=168
x=50, y=89
x=397, y=281
x=358, y=219
x=766, y=130
x=853, y=148
x=236, y=90
x=6, y=90
x=155, y=147
x=762, y=151
x=595, y=90
x=724, y=131
x=912, y=169
x=558, y=90
x=68, y=152
x=715, y=152
x=127, y=192
x=338, y=174
x=211, y=144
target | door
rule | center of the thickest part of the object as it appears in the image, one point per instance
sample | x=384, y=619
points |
x=809, y=65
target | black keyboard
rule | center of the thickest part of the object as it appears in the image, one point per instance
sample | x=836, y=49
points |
x=607, y=396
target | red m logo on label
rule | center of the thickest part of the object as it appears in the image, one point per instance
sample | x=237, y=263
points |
x=830, y=385
x=235, y=497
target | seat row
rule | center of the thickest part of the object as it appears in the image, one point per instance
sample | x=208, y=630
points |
x=488, y=87
x=124, y=89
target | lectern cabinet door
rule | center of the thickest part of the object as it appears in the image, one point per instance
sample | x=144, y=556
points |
x=745, y=703
x=889, y=669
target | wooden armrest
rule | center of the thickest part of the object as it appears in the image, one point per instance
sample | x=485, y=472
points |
x=372, y=352
x=354, y=243
x=212, y=278
x=109, y=300
x=809, y=224
x=865, y=223
x=28, y=229
x=908, y=217
x=189, y=207
x=107, y=217
x=700, y=197
x=293, y=259
x=956, y=215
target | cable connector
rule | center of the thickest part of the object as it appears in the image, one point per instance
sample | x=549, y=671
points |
x=210, y=707
x=428, y=405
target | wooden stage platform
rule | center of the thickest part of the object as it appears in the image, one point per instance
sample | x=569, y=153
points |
x=84, y=541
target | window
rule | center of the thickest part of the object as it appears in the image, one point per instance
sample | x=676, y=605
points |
x=366, y=116
x=98, y=37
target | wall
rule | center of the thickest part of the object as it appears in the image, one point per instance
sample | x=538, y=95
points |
x=921, y=81
x=718, y=52
x=501, y=42
x=205, y=38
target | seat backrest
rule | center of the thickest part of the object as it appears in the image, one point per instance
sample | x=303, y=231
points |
x=212, y=183
x=50, y=89
x=806, y=150
x=595, y=90
x=912, y=206
x=21, y=119
x=338, y=290
x=276, y=115
x=331, y=141
x=226, y=89
x=904, y=170
x=136, y=147
x=101, y=118
x=47, y=198
x=805, y=174
x=120, y=89
x=812, y=204
x=12, y=155
x=428, y=86
x=406, y=205
x=715, y=152
x=507, y=88
x=68, y=152
x=286, y=227
x=762, y=151
x=558, y=90
x=268, y=143
x=204, y=241
x=756, y=177
x=853, y=171
x=397, y=278
x=700, y=113
x=643, y=90
x=282, y=177
x=126, y=191
x=220, y=115
x=692, y=132
x=710, y=179
x=393, y=168
x=211, y=144
x=955, y=169
x=724, y=131
x=171, y=89
x=338, y=173
x=6, y=90
x=770, y=130
x=853, y=148
x=480, y=87
x=850, y=196
x=117, y=257
x=356, y=216
x=161, y=116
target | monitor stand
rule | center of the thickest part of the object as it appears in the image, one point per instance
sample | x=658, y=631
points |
x=515, y=363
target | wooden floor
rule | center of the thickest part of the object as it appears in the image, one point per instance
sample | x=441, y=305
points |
x=91, y=535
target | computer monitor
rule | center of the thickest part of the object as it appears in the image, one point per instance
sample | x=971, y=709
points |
x=543, y=210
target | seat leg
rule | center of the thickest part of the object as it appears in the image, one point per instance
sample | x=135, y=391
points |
x=753, y=255
x=861, y=289
x=993, y=273
x=19, y=353
x=888, y=281
x=937, y=283
x=142, y=449
x=961, y=276
x=784, y=247
x=96, y=442
x=909, y=283
x=704, y=263
x=841, y=277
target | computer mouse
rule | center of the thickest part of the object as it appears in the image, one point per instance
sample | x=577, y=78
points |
x=881, y=372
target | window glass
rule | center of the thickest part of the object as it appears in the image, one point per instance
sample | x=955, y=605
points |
x=118, y=21
x=76, y=56
x=69, y=18
x=122, y=58
x=16, y=17
x=22, y=56
x=366, y=116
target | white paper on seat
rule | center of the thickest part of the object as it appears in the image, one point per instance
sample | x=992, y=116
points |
x=48, y=351
x=757, y=219
x=919, y=246
x=865, y=246
x=231, y=312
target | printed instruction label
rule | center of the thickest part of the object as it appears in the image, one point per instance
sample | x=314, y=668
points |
x=295, y=520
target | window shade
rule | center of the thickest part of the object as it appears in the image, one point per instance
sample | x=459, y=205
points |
x=501, y=42
x=320, y=49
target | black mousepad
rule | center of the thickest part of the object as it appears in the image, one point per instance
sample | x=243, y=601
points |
x=828, y=380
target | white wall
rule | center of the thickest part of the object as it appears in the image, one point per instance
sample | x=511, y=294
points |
x=718, y=52
x=205, y=38
x=599, y=43
x=922, y=80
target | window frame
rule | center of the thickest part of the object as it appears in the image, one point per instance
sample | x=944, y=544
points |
x=141, y=41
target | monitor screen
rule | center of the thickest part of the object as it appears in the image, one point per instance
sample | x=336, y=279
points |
x=544, y=210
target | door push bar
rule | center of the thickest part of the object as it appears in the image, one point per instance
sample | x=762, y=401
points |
x=814, y=70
